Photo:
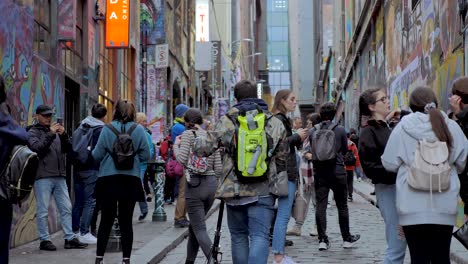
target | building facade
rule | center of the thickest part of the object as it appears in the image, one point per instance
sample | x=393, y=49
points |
x=53, y=52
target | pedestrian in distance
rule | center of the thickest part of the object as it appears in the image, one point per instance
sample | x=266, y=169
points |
x=201, y=183
x=121, y=149
x=328, y=150
x=285, y=102
x=142, y=120
x=180, y=215
x=84, y=140
x=352, y=161
x=374, y=104
x=50, y=141
x=248, y=190
x=11, y=134
x=427, y=150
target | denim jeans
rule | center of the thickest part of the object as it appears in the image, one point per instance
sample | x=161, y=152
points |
x=143, y=204
x=396, y=247
x=282, y=218
x=43, y=189
x=84, y=204
x=249, y=226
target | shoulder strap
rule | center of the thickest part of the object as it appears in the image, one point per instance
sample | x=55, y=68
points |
x=132, y=128
x=113, y=129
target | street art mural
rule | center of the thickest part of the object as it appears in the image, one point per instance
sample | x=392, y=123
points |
x=451, y=69
x=393, y=42
x=29, y=81
x=349, y=22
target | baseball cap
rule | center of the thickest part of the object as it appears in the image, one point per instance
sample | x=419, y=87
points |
x=45, y=110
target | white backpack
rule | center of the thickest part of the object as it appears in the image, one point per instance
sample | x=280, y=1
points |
x=430, y=169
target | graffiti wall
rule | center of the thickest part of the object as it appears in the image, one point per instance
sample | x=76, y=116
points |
x=152, y=27
x=30, y=81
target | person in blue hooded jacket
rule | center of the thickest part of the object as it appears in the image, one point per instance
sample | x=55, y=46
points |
x=427, y=217
x=11, y=134
x=119, y=190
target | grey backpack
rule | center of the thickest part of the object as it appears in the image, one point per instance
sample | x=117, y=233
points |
x=323, y=143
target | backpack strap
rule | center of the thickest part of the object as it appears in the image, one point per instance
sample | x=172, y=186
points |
x=113, y=129
x=132, y=128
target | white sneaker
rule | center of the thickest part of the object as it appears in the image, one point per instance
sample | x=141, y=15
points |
x=286, y=260
x=324, y=245
x=351, y=242
x=88, y=238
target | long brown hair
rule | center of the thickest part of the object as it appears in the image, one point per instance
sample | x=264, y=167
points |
x=368, y=97
x=419, y=98
x=278, y=106
x=124, y=111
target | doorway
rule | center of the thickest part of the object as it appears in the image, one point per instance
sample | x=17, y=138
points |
x=71, y=117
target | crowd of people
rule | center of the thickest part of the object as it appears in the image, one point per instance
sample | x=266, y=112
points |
x=265, y=166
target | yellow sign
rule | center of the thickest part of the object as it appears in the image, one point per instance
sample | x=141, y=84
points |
x=117, y=23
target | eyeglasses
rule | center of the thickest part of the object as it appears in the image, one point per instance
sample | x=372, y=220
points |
x=383, y=99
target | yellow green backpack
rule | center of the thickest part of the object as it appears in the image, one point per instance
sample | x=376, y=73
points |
x=251, y=146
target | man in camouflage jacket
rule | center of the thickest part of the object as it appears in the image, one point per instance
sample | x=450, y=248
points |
x=250, y=205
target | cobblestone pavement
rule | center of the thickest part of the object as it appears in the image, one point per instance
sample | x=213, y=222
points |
x=365, y=220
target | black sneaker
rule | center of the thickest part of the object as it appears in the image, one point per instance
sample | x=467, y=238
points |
x=351, y=241
x=324, y=245
x=74, y=243
x=47, y=245
x=181, y=223
x=350, y=199
x=142, y=217
x=288, y=243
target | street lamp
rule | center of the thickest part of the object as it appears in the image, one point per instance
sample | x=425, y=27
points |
x=240, y=40
x=253, y=55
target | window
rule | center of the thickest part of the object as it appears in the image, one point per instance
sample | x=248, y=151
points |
x=72, y=57
x=106, y=77
x=125, y=76
x=42, y=36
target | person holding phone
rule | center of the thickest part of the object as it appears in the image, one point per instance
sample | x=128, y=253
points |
x=51, y=142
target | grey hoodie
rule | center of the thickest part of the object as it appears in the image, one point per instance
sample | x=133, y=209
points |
x=418, y=207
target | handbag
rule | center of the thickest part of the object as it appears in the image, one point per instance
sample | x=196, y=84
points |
x=462, y=234
x=173, y=168
x=300, y=202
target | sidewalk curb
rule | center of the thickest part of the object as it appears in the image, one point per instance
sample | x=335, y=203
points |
x=145, y=255
x=456, y=258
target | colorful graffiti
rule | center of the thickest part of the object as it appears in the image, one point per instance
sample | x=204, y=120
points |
x=152, y=20
x=349, y=22
x=451, y=69
x=29, y=81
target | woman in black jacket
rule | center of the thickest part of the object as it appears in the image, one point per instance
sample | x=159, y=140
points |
x=375, y=105
x=285, y=102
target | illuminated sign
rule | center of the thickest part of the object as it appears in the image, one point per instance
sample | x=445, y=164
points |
x=202, y=24
x=117, y=23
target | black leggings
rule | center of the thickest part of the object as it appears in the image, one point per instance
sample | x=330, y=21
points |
x=109, y=209
x=429, y=243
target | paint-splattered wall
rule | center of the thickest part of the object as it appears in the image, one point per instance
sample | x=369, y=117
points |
x=30, y=81
x=407, y=47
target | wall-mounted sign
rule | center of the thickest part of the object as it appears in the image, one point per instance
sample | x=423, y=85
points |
x=117, y=23
x=202, y=23
x=162, y=56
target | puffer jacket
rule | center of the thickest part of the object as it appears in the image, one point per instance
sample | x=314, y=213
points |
x=294, y=141
x=51, y=149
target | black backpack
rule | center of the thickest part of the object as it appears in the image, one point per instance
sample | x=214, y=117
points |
x=18, y=175
x=123, y=152
x=349, y=158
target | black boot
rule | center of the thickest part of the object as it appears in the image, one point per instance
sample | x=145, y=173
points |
x=99, y=260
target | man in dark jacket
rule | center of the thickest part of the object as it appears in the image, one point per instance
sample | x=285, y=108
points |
x=50, y=142
x=86, y=176
x=459, y=105
x=11, y=134
x=332, y=175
